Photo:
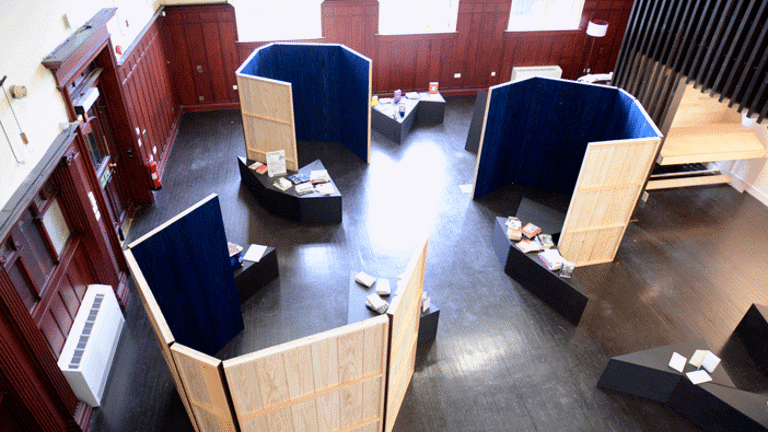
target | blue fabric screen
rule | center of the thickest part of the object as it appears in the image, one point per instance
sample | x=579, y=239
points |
x=538, y=130
x=187, y=267
x=330, y=85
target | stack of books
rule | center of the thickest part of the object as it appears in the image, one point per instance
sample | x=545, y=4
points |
x=283, y=184
x=298, y=178
x=514, y=228
x=528, y=245
x=530, y=230
x=545, y=240
x=324, y=189
x=319, y=177
x=258, y=167
x=552, y=259
x=304, y=188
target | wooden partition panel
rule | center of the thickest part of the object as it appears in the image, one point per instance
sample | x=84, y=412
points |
x=330, y=381
x=160, y=327
x=612, y=176
x=204, y=384
x=267, y=108
x=404, y=314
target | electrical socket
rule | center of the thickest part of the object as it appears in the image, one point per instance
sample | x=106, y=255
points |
x=457, y=75
x=234, y=87
x=493, y=74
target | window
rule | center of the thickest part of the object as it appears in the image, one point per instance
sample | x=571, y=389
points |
x=531, y=15
x=32, y=251
x=417, y=16
x=268, y=20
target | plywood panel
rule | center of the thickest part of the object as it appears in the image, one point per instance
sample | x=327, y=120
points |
x=611, y=179
x=404, y=314
x=204, y=384
x=160, y=327
x=326, y=382
x=267, y=109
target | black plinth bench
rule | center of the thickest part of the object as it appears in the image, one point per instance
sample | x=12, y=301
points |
x=357, y=311
x=564, y=295
x=713, y=406
x=253, y=276
x=753, y=331
x=310, y=208
x=427, y=109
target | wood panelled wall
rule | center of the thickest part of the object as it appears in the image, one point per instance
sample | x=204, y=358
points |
x=481, y=45
x=201, y=43
x=149, y=95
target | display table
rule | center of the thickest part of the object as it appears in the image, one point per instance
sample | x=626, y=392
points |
x=357, y=311
x=753, y=331
x=429, y=108
x=713, y=406
x=310, y=208
x=253, y=276
x=564, y=295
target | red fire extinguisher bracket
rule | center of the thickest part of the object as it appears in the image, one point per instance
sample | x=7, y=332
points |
x=154, y=175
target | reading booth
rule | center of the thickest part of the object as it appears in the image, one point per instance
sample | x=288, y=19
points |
x=307, y=92
x=350, y=378
x=592, y=142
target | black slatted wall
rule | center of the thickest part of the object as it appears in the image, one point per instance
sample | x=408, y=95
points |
x=721, y=45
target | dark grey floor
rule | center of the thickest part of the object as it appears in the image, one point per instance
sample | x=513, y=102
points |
x=689, y=266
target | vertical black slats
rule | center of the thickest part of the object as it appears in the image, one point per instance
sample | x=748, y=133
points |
x=650, y=35
x=730, y=64
x=757, y=51
x=662, y=52
x=642, y=9
x=716, y=43
x=730, y=37
x=642, y=35
x=694, y=44
x=684, y=28
x=669, y=95
x=706, y=40
x=759, y=95
x=626, y=46
x=739, y=65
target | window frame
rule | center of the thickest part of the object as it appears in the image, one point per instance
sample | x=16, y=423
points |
x=454, y=6
x=541, y=28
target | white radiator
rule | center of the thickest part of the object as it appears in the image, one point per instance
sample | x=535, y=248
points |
x=90, y=348
x=523, y=72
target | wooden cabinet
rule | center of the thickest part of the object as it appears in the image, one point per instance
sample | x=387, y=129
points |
x=202, y=55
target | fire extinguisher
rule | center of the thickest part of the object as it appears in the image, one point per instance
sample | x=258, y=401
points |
x=152, y=167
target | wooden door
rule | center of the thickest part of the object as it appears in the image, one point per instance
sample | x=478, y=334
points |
x=404, y=314
x=327, y=382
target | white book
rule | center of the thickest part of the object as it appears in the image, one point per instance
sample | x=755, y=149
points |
x=382, y=287
x=375, y=303
x=365, y=279
x=677, y=362
x=699, y=376
x=276, y=163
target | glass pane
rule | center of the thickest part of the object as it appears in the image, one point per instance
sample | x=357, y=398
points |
x=267, y=20
x=56, y=226
x=38, y=247
x=417, y=17
x=93, y=146
x=22, y=286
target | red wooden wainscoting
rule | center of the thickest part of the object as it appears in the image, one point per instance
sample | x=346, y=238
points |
x=479, y=46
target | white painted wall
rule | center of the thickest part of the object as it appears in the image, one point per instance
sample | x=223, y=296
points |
x=751, y=175
x=29, y=31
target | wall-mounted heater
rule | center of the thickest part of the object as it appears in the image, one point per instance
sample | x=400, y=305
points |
x=90, y=348
x=523, y=72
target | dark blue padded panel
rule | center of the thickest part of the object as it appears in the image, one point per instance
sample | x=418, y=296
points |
x=329, y=87
x=628, y=121
x=187, y=267
x=538, y=130
x=355, y=102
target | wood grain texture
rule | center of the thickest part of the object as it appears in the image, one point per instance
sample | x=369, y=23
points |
x=688, y=182
x=161, y=330
x=204, y=385
x=612, y=176
x=404, y=314
x=326, y=382
x=267, y=109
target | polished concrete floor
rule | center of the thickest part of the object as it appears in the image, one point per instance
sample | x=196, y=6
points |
x=690, y=265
